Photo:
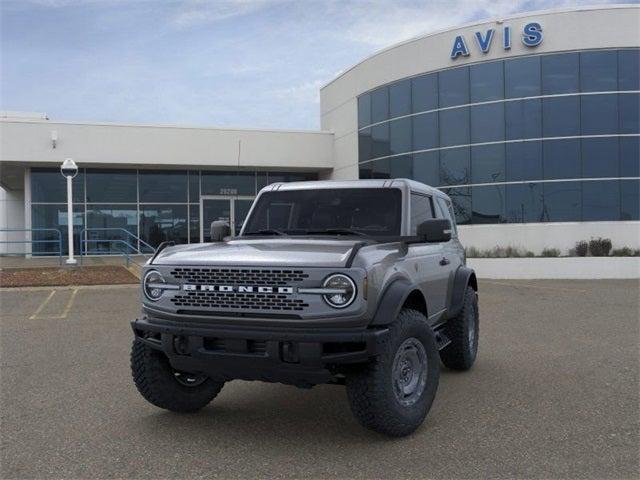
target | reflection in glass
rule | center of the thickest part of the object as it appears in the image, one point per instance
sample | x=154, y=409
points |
x=401, y=167
x=523, y=119
x=426, y=168
x=600, y=157
x=487, y=81
x=487, y=123
x=111, y=220
x=461, y=202
x=630, y=157
x=54, y=216
x=194, y=186
x=487, y=164
x=560, y=73
x=629, y=69
x=488, y=204
x=561, y=116
x=524, y=203
x=562, y=201
x=49, y=186
x=365, y=147
x=523, y=161
x=400, y=99
x=630, y=200
x=364, y=110
x=522, y=77
x=194, y=223
x=379, y=104
x=400, y=135
x=561, y=159
x=163, y=223
x=425, y=131
x=598, y=71
x=599, y=114
x=454, y=166
x=163, y=186
x=118, y=186
x=424, y=93
x=453, y=87
x=380, y=140
x=629, y=113
x=380, y=168
x=600, y=200
x=228, y=183
x=454, y=127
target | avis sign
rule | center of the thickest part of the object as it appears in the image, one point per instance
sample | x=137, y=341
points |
x=531, y=37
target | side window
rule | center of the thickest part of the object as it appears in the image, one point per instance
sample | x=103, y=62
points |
x=447, y=211
x=421, y=210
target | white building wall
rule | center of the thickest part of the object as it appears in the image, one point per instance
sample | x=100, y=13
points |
x=11, y=217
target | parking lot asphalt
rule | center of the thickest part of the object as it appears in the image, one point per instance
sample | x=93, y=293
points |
x=554, y=394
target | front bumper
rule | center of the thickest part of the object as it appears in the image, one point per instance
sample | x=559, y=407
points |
x=294, y=356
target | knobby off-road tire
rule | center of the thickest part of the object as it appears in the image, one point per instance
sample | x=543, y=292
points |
x=373, y=389
x=158, y=383
x=463, y=332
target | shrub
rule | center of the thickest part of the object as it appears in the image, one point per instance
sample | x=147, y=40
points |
x=581, y=248
x=550, y=252
x=600, y=247
x=625, y=252
x=472, y=252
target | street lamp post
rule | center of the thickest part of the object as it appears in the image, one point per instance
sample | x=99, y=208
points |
x=69, y=169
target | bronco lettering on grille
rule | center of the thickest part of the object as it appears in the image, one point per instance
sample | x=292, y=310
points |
x=238, y=289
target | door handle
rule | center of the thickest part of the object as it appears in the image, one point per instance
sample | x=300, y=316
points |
x=445, y=261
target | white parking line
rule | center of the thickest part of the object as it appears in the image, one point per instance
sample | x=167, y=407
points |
x=42, y=305
x=63, y=315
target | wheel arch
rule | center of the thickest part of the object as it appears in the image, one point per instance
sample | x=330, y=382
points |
x=463, y=278
x=401, y=293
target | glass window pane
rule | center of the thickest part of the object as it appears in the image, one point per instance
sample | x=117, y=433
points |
x=380, y=104
x=453, y=86
x=424, y=93
x=600, y=200
x=522, y=77
x=454, y=166
x=229, y=183
x=630, y=198
x=262, y=180
x=425, y=131
x=364, y=110
x=630, y=156
x=365, y=171
x=561, y=159
x=487, y=164
x=380, y=141
x=461, y=202
x=163, y=186
x=194, y=186
x=487, y=81
x=562, y=201
x=380, y=168
x=487, y=123
x=629, y=113
x=55, y=217
x=49, y=186
x=523, y=161
x=629, y=69
x=111, y=221
x=194, y=223
x=421, y=211
x=599, y=71
x=523, y=119
x=561, y=116
x=400, y=133
x=400, y=98
x=560, y=73
x=454, y=127
x=117, y=186
x=365, y=145
x=599, y=114
x=163, y=223
x=487, y=204
x=426, y=168
x=600, y=157
x=401, y=167
x=524, y=203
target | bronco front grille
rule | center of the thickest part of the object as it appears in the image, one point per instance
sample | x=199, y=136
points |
x=239, y=301
x=237, y=276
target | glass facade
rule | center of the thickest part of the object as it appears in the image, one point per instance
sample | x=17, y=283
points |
x=154, y=205
x=545, y=138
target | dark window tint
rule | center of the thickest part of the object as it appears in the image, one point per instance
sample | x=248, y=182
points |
x=421, y=210
x=488, y=204
x=424, y=92
x=523, y=161
x=454, y=127
x=600, y=157
x=454, y=166
x=379, y=104
x=523, y=119
x=230, y=183
x=630, y=156
x=425, y=131
x=630, y=198
x=163, y=186
x=629, y=113
x=400, y=135
x=50, y=242
x=163, y=223
x=629, y=69
x=400, y=98
x=364, y=110
x=487, y=164
x=401, y=167
x=561, y=159
x=112, y=186
x=599, y=71
x=380, y=140
x=426, y=168
x=487, y=81
x=194, y=186
x=561, y=116
x=524, y=203
x=600, y=200
x=453, y=87
x=562, y=201
x=461, y=203
x=365, y=147
x=112, y=222
x=487, y=123
x=49, y=186
x=560, y=73
x=599, y=114
x=522, y=77
x=194, y=223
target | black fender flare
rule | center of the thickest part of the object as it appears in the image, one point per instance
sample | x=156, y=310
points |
x=391, y=301
x=464, y=276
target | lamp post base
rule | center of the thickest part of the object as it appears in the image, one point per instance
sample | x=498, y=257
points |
x=71, y=261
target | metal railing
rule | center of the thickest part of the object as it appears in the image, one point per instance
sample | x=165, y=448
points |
x=131, y=243
x=31, y=241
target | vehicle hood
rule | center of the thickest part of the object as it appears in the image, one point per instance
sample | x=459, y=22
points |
x=258, y=252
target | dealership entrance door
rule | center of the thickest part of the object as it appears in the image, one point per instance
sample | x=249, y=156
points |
x=232, y=210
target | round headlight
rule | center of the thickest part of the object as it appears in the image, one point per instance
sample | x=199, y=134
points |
x=344, y=290
x=150, y=285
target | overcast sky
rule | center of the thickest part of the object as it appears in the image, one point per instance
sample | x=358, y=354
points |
x=244, y=63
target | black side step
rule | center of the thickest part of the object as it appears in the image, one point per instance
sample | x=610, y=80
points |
x=442, y=340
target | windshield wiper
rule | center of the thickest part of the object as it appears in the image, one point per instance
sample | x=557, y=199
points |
x=266, y=231
x=337, y=231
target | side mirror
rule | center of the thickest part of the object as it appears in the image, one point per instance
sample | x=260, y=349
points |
x=435, y=230
x=219, y=230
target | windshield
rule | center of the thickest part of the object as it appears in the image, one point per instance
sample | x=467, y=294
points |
x=337, y=211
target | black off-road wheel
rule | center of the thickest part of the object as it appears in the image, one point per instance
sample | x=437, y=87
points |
x=167, y=388
x=393, y=393
x=463, y=332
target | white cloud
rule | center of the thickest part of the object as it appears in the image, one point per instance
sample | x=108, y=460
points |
x=190, y=13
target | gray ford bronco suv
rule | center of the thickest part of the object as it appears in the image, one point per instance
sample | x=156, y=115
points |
x=360, y=283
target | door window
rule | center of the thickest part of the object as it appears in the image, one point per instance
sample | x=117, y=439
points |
x=421, y=210
x=447, y=212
